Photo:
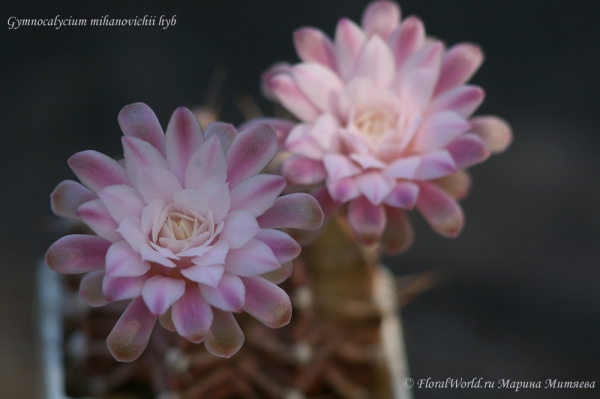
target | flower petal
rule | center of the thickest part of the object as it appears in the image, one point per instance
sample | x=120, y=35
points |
x=257, y=194
x=403, y=195
x=218, y=198
x=318, y=83
x=224, y=131
x=280, y=275
x=367, y=220
x=250, y=152
x=300, y=170
x=225, y=337
x=298, y=210
x=96, y=170
x=403, y=168
x=77, y=253
x=120, y=288
x=122, y=201
x=468, y=150
x=129, y=337
x=398, y=233
x=462, y=100
x=441, y=211
x=339, y=166
x=205, y=274
x=342, y=190
x=161, y=292
x=381, y=18
x=265, y=78
x=123, y=261
x=460, y=63
x=207, y=164
x=183, y=138
x=281, y=126
x=456, y=184
x=266, y=302
x=252, y=259
x=130, y=229
x=138, y=120
x=291, y=97
x=438, y=130
x=95, y=215
x=374, y=186
x=140, y=154
x=407, y=39
x=192, y=315
x=376, y=63
x=228, y=295
x=240, y=227
x=68, y=196
x=349, y=40
x=156, y=182
x=90, y=289
x=284, y=247
x=312, y=45
x=494, y=131
x=302, y=142
x=435, y=165
x=418, y=76
x=214, y=256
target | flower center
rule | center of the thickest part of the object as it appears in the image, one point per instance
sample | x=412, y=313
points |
x=374, y=123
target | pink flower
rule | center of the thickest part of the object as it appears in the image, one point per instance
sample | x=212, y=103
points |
x=384, y=114
x=185, y=230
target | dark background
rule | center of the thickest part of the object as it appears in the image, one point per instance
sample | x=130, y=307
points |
x=520, y=295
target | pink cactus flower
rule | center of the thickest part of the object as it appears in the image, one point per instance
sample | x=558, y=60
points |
x=385, y=114
x=186, y=230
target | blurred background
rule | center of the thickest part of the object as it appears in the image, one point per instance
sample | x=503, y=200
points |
x=519, y=294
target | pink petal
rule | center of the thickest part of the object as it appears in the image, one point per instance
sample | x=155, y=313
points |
x=281, y=126
x=300, y=170
x=435, y=165
x=224, y=131
x=463, y=100
x=266, y=302
x=442, y=212
x=129, y=337
x=250, y=152
x=319, y=84
x=151, y=255
x=155, y=183
x=122, y=201
x=398, y=233
x=403, y=195
x=96, y=170
x=95, y=215
x=190, y=200
x=152, y=218
x=228, y=295
x=284, y=247
x=367, y=161
x=192, y=315
x=130, y=229
x=301, y=142
x=468, y=150
x=381, y=18
x=298, y=211
x=225, y=337
x=403, y=168
x=120, y=288
x=418, y=76
x=183, y=138
x=68, y=196
x=138, y=120
x=312, y=45
x=166, y=320
x=367, y=220
x=494, y=131
x=205, y=274
x=90, y=289
x=342, y=190
x=339, y=166
x=407, y=39
x=280, y=275
x=123, y=261
x=438, y=130
x=240, y=227
x=287, y=92
x=349, y=40
x=460, y=63
x=140, y=154
x=374, y=186
x=376, y=63
x=207, y=164
x=161, y=292
x=257, y=194
x=214, y=256
x=325, y=132
x=77, y=253
x=265, y=78
x=252, y=259
x=456, y=185
x=218, y=197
